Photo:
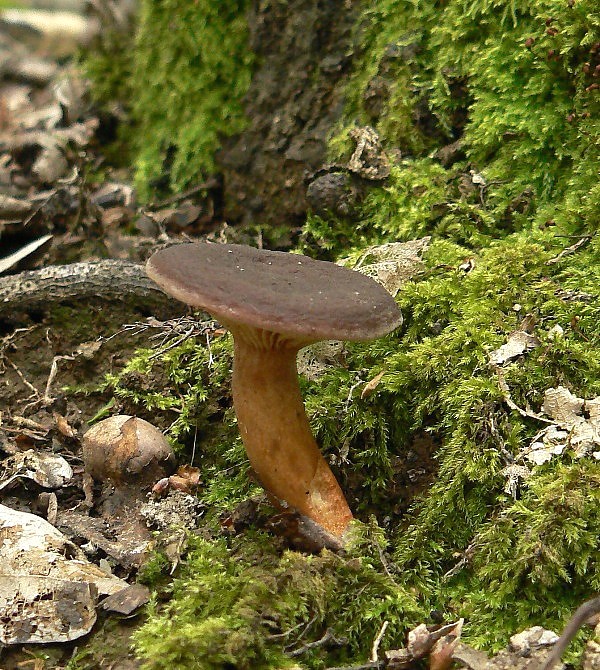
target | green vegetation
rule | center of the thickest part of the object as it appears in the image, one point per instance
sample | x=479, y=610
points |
x=183, y=75
x=516, y=85
x=241, y=603
x=535, y=557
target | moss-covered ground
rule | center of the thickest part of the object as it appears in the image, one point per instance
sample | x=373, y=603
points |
x=517, y=84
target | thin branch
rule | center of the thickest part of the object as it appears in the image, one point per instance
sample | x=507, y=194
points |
x=210, y=183
x=327, y=638
x=371, y=665
x=22, y=377
x=511, y=403
x=569, y=250
x=377, y=642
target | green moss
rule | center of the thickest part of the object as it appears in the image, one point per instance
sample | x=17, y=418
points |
x=436, y=380
x=240, y=605
x=515, y=83
x=188, y=93
x=184, y=96
x=529, y=553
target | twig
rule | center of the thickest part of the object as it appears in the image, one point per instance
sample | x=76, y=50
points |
x=511, y=403
x=371, y=665
x=193, y=456
x=322, y=641
x=581, y=615
x=172, y=345
x=24, y=422
x=464, y=560
x=111, y=279
x=8, y=339
x=287, y=633
x=377, y=642
x=52, y=375
x=210, y=183
x=211, y=360
x=569, y=250
x=350, y=392
x=384, y=562
x=30, y=386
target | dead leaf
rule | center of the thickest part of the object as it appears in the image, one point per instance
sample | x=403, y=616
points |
x=123, y=537
x=371, y=385
x=437, y=642
x=62, y=425
x=393, y=264
x=51, y=165
x=186, y=479
x=467, y=265
x=519, y=342
x=128, y=600
x=314, y=361
x=369, y=160
x=48, y=470
x=441, y=655
x=576, y=426
x=48, y=590
x=531, y=638
x=114, y=194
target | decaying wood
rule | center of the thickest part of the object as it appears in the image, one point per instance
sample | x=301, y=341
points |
x=109, y=280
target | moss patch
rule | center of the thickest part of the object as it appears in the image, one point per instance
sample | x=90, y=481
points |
x=185, y=96
x=244, y=604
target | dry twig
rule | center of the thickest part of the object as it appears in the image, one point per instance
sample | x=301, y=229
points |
x=111, y=279
x=377, y=642
x=569, y=250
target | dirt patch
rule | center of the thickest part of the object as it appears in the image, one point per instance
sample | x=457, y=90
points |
x=27, y=355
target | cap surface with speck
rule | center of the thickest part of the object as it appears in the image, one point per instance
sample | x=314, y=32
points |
x=285, y=293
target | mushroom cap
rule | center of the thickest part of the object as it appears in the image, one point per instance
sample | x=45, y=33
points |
x=126, y=448
x=284, y=293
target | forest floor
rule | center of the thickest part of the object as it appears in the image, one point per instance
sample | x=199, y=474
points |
x=61, y=204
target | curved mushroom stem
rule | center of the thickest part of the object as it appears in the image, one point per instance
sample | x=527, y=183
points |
x=276, y=432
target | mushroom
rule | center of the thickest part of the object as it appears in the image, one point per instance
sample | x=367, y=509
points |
x=123, y=448
x=274, y=304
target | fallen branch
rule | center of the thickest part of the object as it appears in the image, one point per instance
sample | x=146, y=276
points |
x=108, y=280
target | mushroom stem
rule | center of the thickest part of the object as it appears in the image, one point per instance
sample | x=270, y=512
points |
x=276, y=432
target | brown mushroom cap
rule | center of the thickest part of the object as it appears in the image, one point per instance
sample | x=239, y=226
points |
x=125, y=448
x=285, y=293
